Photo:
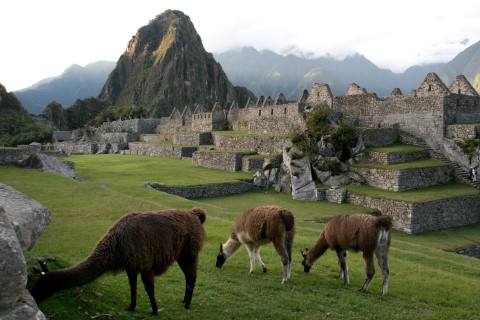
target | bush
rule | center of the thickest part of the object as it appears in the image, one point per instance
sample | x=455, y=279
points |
x=318, y=123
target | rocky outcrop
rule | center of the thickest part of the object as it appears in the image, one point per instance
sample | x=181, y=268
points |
x=50, y=164
x=303, y=186
x=22, y=220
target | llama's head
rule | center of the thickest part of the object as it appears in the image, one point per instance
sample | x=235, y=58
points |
x=306, y=265
x=42, y=288
x=221, y=257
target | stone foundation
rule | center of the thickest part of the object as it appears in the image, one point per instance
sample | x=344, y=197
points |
x=405, y=179
x=228, y=161
x=152, y=149
x=424, y=216
x=206, y=190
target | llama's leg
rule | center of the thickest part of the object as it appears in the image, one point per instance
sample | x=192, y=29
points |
x=189, y=268
x=259, y=259
x=288, y=247
x=148, y=282
x=369, y=269
x=282, y=252
x=251, y=255
x=342, y=261
x=132, y=281
x=382, y=256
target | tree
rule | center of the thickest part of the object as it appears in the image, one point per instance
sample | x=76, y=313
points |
x=56, y=114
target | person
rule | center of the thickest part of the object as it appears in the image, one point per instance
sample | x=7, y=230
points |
x=473, y=174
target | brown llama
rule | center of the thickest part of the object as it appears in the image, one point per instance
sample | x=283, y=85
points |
x=146, y=243
x=259, y=226
x=358, y=232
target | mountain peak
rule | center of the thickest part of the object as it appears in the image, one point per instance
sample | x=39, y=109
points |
x=165, y=65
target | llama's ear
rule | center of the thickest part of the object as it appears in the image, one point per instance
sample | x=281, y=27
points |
x=221, y=248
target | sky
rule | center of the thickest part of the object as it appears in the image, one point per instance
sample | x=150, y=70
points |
x=40, y=39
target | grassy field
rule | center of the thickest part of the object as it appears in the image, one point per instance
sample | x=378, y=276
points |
x=427, y=281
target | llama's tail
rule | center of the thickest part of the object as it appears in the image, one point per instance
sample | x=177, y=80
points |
x=200, y=213
x=385, y=221
x=288, y=220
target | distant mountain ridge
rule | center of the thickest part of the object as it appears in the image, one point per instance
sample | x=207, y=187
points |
x=74, y=83
x=268, y=73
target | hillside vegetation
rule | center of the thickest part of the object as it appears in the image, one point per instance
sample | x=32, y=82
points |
x=427, y=280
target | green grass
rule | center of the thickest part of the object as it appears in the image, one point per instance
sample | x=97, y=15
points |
x=447, y=190
x=423, y=163
x=426, y=282
x=396, y=148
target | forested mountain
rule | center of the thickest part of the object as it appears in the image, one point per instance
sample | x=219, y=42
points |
x=16, y=125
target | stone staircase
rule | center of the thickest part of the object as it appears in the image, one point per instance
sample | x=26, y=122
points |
x=460, y=173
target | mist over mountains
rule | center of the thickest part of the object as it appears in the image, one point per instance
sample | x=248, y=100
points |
x=265, y=73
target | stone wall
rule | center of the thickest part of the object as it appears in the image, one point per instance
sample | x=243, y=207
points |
x=424, y=216
x=379, y=137
x=193, y=139
x=280, y=119
x=14, y=155
x=70, y=147
x=266, y=145
x=139, y=126
x=228, y=161
x=152, y=149
x=397, y=157
x=11, y=155
x=156, y=137
x=405, y=179
x=118, y=137
x=463, y=131
x=206, y=190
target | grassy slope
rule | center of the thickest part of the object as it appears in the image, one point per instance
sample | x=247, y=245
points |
x=426, y=282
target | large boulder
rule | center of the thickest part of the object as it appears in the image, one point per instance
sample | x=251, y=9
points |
x=49, y=164
x=303, y=186
x=22, y=220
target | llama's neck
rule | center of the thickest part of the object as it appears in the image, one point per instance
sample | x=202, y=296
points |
x=317, y=250
x=231, y=246
x=83, y=273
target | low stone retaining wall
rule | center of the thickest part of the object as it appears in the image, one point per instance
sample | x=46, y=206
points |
x=194, y=139
x=156, y=137
x=463, y=131
x=267, y=145
x=228, y=161
x=424, y=216
x=405, y=179
x=14, y=155
x=379, y=137
x=76, y=147
x=11, y=155
x=152, y=149
x=118, y=137
x=206, y=190
x=397, y=157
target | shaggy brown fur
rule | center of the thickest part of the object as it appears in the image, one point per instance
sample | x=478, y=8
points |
x=146, y=243
x=257, y=227
x=358, y=232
